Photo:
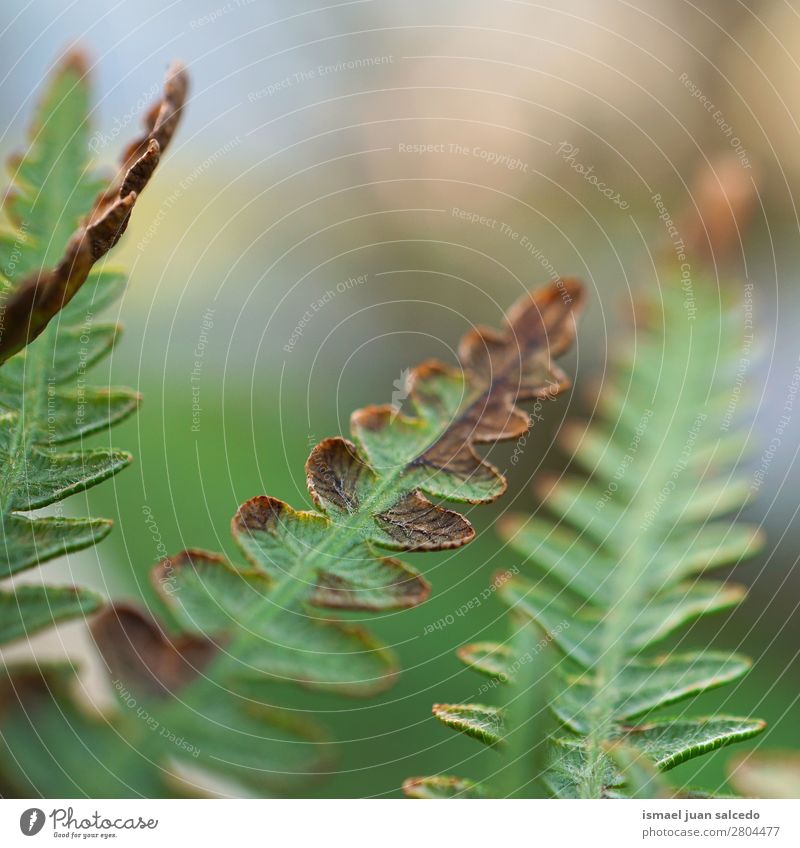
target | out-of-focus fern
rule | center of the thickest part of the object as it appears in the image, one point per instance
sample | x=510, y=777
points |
x=60, y=219
x=766, y=774
x=247, y=629
x=622, y=562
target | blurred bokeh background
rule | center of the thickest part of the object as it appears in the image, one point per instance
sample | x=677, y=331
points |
x=304, y=243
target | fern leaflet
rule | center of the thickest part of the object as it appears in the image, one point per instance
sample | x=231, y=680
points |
x=622, y=562
x=61, y=219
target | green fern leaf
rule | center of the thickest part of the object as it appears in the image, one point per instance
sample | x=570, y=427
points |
x=622, y=559
x=667, y=612
x=28, y=609
x=669, y=742
x=476, y=720
x=647, y=684
x=489, y=658
x=62, y=221
x=53, y=186
x=246, y=630
x=641, y=777
x=93, y=759
x=209, y=596
x=654, y=532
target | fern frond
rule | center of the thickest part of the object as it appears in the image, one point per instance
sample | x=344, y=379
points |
x=245, y=629
x=45, y=399
x=62, y=225
x=623, y=560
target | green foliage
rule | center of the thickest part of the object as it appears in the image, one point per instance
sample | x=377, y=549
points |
x=53, y=186
x=93, y=760
x=480, y=722
x=60, y=220
x=621, y=556
x=441, y=788
x=245, y=631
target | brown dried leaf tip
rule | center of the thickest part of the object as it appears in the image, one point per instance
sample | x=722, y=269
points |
x=461, y=409
x=372, y=495
x=724, y=196
x=45, y=292
x=377, y=491
x=138, y=651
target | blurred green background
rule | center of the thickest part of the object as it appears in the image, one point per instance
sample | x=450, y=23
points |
x=299, y=168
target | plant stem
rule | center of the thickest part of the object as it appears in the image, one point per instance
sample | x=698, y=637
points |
x=629, y=587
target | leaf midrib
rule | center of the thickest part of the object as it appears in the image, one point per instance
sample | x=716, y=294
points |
x=345, y=535
x=628, y=585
